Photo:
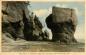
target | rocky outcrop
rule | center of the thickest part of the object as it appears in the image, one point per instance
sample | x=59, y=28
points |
x=62, y=22
x=19, y=22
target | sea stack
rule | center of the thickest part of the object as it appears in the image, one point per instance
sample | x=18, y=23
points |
x=62, y=22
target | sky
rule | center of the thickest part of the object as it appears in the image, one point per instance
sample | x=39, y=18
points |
x=43, y=9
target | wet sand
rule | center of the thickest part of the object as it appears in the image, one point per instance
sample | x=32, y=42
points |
x=40, y=46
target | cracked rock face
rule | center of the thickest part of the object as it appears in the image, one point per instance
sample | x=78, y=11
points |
x=62, y=22
x=19, y=22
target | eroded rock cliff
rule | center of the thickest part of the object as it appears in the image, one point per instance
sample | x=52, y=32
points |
x=19, y=22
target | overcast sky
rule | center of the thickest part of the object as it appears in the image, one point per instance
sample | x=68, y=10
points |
x=43, y=9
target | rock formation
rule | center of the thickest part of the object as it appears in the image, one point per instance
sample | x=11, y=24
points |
x=62, y=22
x=19, y=22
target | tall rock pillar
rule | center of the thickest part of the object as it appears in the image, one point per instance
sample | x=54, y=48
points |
x=62, y=22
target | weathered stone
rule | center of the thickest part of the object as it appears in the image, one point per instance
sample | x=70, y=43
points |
x=63, y=23
x=19, y=22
